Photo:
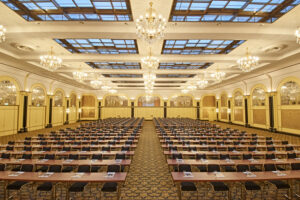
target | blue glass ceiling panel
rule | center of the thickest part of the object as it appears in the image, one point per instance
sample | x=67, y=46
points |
x=114, y=65
x=184, y=65
x=99, y=46
x=230, y=10
x=71, y=10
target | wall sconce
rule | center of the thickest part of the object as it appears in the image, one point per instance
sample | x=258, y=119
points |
x=217, y=110
x=229, y=110
x=79, y=110
x=100, y=98
x=79, y=96
x=197, y=98
x=132, y=98
x=165, y=98
x=68, y=110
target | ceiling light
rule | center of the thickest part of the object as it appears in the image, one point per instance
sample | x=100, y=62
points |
x=297, y=33
x=80, y=76
x=151, y=26
x=149, y=76
x=112, y=91
x=202, y=83
x=218, y=76
x=2, y=33
x=96, y=83
x=50, y=61
x=185, y=91
x=248, y=62
x=191, y=87
x=105, y=87
x=150, y=62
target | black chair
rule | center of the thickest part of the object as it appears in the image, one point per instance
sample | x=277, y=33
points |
x=47, y=186
x=172, y=148
x=218, y=186
x=247, y=156
x=111, y=186
x=96, y=157
x=224, y=156
x=124, y=148
x=271, y=148
x=2, y=167
x=187, y=186
x=231, y=148
x=46, y=148
x=131, y=142
x=43, y=143
x=280, y=185
x=291, y=155
x=66, y=149
x=5, y=156
x=17, y=185
x=289, y=148
x=285, y=142
x=79, y=186
x=295, y=166
x=192, y=148
x=106, y=148
x=253, y=142
x=9, y=148
x=248, y=185
x=251, y=148
x=176, y=156
x=26, y=156
x=270, y=156
x=70, y=157
x=269, y=142
x=11, y=142
x=27, y=148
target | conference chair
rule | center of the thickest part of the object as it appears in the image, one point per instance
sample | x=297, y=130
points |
x=79, y=186
x=187, y=186
x=218, y=186
x=110, y=187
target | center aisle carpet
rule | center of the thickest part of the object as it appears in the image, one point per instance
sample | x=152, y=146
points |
x=149, y=177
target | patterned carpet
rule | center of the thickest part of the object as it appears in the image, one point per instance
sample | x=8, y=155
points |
x=149, y=177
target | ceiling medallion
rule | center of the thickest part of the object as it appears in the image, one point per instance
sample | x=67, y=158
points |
x=151, y=26
x=248, y=62
x=50, y=61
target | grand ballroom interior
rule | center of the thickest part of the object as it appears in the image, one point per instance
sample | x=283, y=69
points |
x=150, y=99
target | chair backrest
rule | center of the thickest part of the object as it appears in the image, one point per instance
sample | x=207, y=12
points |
x=55, y=168
x=97, y=156
x=270, y=156
x=26, y=168
x=251, y=148
x=84, y=168
x=120, y=156
x=184, y=168
x=200, y=156
x=113, y=168
x=271, y=148
x=212, y=148
x=46, y=148
x=173, y=148
x=231, y=148
x=284, y=142
x=2, y=167
x=50, y=156
x=213, y=168
x=27, y=148
x=66, y=148
x=295, y=166
x=242, y=168
x=253, y=143
x=269, y=142
x=247, y=156
x=224, y=156
x=5, y=155
x=289, y=148
x=270, y=167
x=124, y=148
x=86, y=149
x=73, y=156
x=291, y=155
x=192, y=149
x=106, y=148
x=11, y=142
x=9, y=148
x=26, y=156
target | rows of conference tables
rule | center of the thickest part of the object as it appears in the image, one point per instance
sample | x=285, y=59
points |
x=200, y=154
x=93, y=153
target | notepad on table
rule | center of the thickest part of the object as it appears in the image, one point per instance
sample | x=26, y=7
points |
x=188, y=174
x=110, y=174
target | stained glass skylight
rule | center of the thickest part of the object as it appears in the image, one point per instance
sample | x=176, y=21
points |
x=71, y=10
x=114, y=65
x=203, y=46
x=184, y=65
x=230, y=10
x=99, y=46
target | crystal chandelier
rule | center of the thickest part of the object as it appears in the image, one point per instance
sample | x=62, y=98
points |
x=248, y=62
x=150, y=62
x=80, y=76
x=151, y=26
x=96, y=83
x=112, y=91
x=184, y=91
x=2, y=33
x=202, y=83
x=218, y=76
x=191, y=87
x=149, y=76
x=105, y=87
x=297, y=33
x=50, y=61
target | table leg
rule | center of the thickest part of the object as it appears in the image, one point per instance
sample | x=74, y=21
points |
x=178, y=190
